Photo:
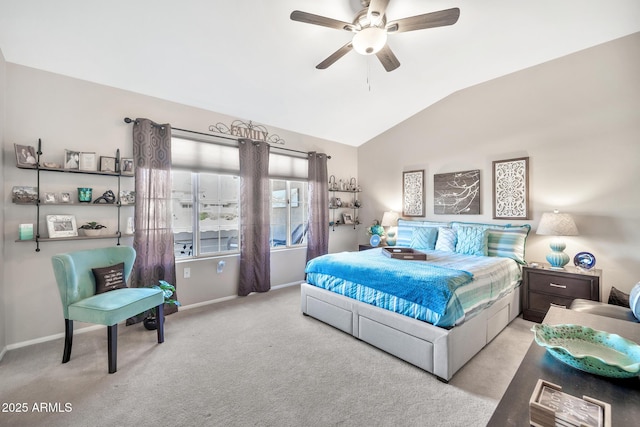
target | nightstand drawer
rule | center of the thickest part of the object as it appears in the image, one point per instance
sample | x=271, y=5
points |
x=542, y=302
x=560, y=285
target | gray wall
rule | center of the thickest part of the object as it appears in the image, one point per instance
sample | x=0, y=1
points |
x=3, y=278
x=577, y=118
x=75, y=114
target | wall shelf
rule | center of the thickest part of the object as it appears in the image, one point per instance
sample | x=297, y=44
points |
x=39, y=169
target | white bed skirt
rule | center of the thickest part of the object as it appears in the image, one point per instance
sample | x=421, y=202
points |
x=439, y=351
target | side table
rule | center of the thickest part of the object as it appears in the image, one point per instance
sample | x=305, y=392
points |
x=544, y=287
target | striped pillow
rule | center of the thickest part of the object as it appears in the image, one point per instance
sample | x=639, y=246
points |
x=406, y=228
x=446, y=239
x=508, y=242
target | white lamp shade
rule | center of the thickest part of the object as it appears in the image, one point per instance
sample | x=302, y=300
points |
x=389, y=219
x=557, y=224
x=369, y=40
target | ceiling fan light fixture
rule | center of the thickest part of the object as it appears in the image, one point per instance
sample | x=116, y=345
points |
x=369, y=41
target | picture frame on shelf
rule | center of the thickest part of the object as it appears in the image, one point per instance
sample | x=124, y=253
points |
x=511, y=189
x=71, y=159
x=107, y=164
x=65, y=197
x=25, y=155
x=62, y=226
x=50, y=198
x=23, y=195
x=127, y=197
x=126, y=166
x=347, y=218
x=413, y=194
x=88, y=162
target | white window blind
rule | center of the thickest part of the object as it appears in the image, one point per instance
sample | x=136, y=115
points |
x=212, y=155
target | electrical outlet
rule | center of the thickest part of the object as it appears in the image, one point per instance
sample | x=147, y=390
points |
x=187, y=273
x=220, y=266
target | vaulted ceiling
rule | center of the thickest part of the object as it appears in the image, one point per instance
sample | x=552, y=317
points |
x=247, y=59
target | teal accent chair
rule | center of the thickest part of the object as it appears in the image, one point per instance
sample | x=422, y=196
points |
x=77, y=287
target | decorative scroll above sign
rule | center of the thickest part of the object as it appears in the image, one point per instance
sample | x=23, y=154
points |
x=247, y=130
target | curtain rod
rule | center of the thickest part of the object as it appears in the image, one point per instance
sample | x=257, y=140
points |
x=128, y=120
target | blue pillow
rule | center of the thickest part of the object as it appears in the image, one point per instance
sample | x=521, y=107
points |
x=424, y=238
x=472, y=241
x=634, y=300
x=446, y=240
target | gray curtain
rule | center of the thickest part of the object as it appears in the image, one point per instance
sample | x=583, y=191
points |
x=255, y=253
x=318, y=243
x=153, y=238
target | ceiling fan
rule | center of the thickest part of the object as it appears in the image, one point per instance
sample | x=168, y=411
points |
x=370, y=28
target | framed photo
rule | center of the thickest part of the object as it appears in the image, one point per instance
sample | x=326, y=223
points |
x=511, y=189
x=347, y=218
x=126, y=166
x=65, y=197
x=88, y=162
x=127, y=197
x=413, y=198
x=107, y=164
x=24, y=195
x=25, y=155
x=71, y=159
x=61, y=226
x=457, y=193
x=50, y=198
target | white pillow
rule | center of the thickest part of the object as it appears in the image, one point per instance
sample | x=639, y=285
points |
x=447, y=238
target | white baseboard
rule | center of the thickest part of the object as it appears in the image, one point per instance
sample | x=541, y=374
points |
x=96, y=327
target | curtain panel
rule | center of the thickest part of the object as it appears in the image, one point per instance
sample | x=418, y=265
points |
x=255, y=253
x=318, y=240
x=153, y=236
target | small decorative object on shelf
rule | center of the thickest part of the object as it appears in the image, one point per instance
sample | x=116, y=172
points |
x=333, y=186
x=107, y=197
x=127, y=197
x=24, y=195
x=88, y=162
x=92, y=228
x=353, y=186
x=65, y=197
x=25, y=231
x=107, y=164
x=549, y=406
x=71, y=159
x=61, y=226
x=347, y=218
x=25, y=155
x=84, y=194
x=126, y=166
x=50, y=198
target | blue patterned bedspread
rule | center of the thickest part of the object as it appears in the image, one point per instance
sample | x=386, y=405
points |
x=419, y=282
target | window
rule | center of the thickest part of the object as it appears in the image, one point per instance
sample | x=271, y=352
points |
x=289, y=213
x=215, y=211
x=206, y=194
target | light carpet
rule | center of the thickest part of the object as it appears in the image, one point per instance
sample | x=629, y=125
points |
x=253, y=361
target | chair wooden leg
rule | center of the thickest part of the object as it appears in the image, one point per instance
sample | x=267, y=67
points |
x=68, y=340
x=160, y=320
x=112, y=345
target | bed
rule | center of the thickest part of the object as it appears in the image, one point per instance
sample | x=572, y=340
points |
x=435, y=314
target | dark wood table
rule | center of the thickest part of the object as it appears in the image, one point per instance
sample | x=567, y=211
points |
x=622, y=394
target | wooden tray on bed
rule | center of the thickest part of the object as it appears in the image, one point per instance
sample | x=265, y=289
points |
x=404, y=253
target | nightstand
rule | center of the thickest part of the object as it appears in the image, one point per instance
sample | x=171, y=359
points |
x=543, y=287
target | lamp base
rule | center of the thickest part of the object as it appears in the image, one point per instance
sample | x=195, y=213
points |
x=557, y=259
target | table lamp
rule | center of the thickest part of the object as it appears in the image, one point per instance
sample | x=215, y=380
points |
x=557, y=224
x=390, y=219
